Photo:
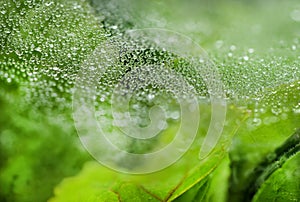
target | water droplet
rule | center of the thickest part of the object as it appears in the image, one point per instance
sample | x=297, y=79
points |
x=175, y=115
x=38, y=49
x=232, y=48
x=114, y=27
x=276, y=110
x=151, y=97
x=256, y=121
x=246, y=58
x=295, y=15
x=250, y=50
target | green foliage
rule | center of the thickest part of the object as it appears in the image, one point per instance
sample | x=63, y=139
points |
x=187, y=176
x=284, y=183
x=261, y=134
x=255, y=46
x=38, y=144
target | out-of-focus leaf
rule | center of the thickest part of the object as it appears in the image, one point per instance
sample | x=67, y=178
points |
x=167, y=185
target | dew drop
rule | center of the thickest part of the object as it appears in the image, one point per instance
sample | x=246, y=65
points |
x=246, y=58
x=256, y=121
x=232, y=48
x=295, y=15
x=250, y=50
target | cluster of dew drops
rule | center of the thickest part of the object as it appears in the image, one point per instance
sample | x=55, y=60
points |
x=268, y=86
x=264, y=82
x=43, y=44
x=156, y=84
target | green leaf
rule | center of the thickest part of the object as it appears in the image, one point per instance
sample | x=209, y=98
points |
x=166, y=185
x=38, y=143
x=276, y=118
x=43, y=44
x=219, y=183
x=283, y=184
